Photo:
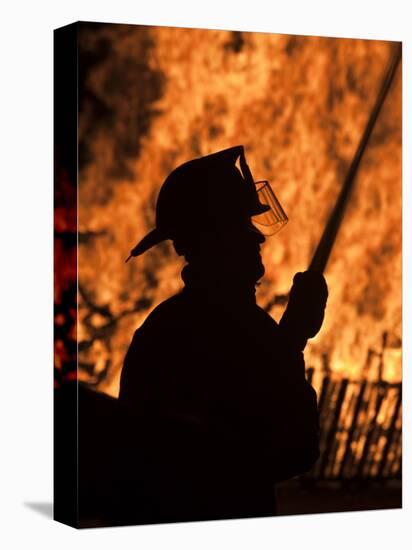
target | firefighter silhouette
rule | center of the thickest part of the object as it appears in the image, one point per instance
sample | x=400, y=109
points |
x=216, y=407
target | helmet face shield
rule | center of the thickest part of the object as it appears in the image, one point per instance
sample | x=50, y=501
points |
x=271, y=221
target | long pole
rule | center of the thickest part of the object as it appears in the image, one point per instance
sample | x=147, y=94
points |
x=321, y=256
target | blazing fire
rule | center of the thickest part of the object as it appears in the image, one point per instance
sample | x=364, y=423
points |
x=152, y=98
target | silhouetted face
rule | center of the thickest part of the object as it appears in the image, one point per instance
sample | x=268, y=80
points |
x=231, y=254
x=239, y=249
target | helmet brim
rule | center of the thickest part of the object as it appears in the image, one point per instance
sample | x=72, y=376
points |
x=156, y=236
x=151, y=239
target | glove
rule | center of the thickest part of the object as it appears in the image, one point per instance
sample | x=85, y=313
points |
x=305, y=312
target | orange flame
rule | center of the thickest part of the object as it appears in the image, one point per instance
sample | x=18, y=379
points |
x=299, y=105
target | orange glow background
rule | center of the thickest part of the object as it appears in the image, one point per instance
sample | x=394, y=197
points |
x=154, y=97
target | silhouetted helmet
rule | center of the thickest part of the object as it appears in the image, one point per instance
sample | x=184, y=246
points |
x=211, y=192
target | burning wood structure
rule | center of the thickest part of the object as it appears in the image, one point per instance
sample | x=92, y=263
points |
x=151, y=98
x=361, y=430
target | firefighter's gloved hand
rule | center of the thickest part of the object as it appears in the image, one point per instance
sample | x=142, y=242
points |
x=306, y=307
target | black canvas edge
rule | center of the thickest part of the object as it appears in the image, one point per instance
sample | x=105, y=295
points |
x=65, y=425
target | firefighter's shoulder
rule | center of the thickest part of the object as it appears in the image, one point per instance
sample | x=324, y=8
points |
x=166, y=310
x=165, y=316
